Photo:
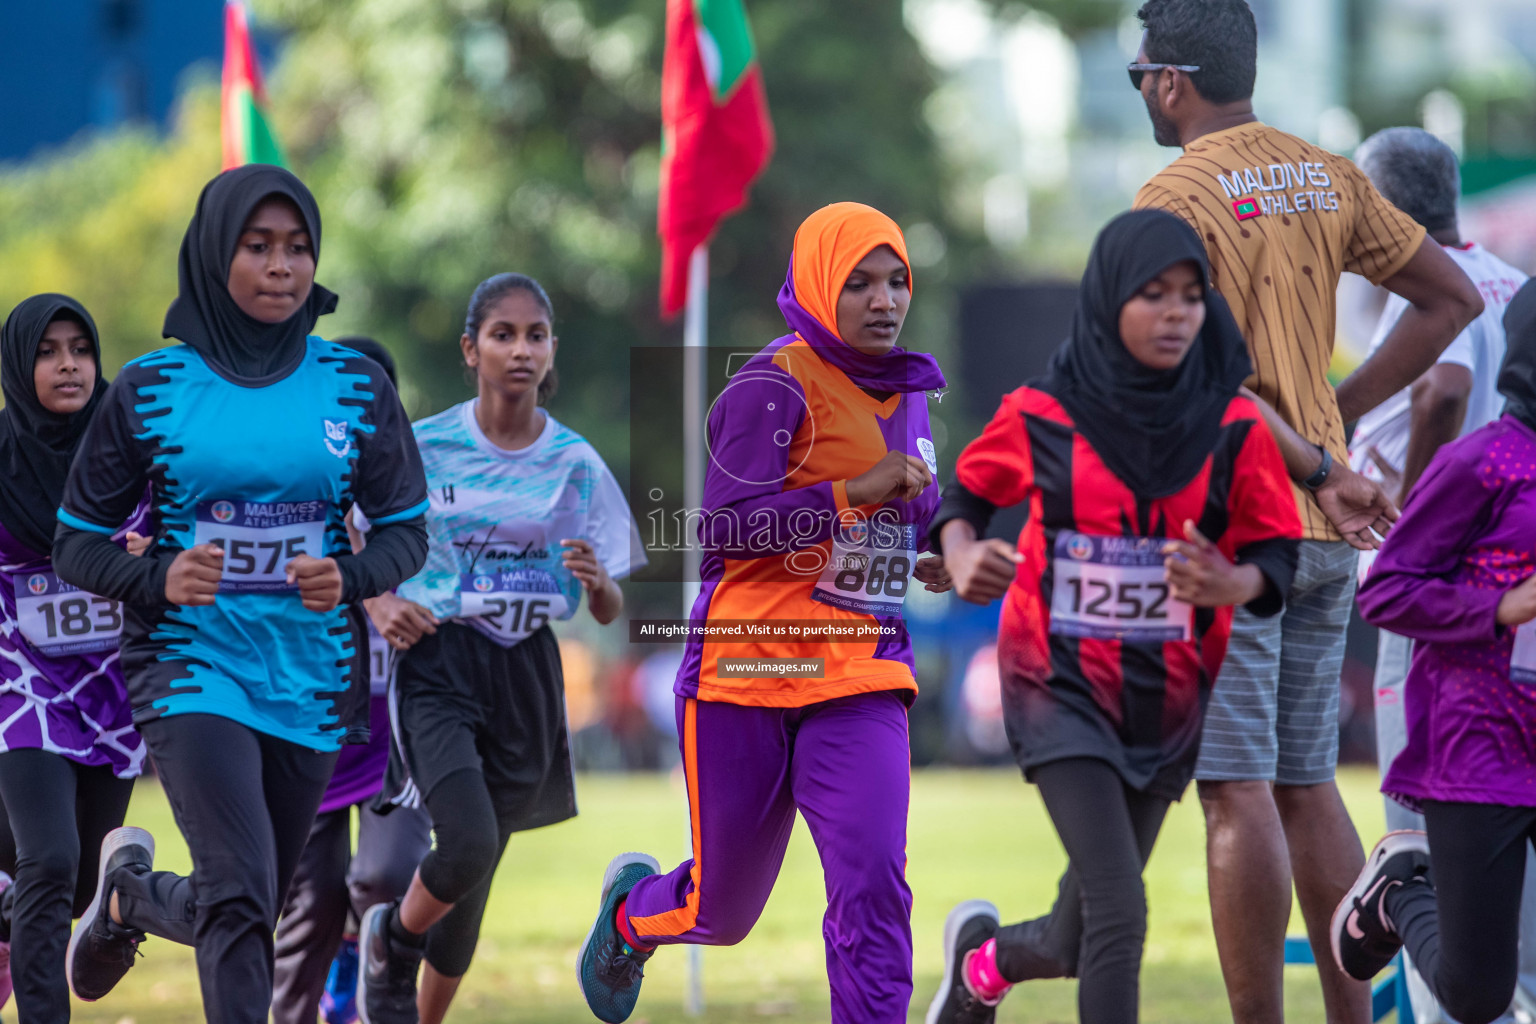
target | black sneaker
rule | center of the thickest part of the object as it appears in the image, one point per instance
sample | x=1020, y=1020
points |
x=1364, y=938
x=608, y=969
x=387, y=971
x=968, y=926
x=100, y=951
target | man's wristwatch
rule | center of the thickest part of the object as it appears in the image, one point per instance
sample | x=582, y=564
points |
x=1316, y=480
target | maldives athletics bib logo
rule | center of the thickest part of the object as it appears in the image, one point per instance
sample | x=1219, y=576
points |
x=1246, y=208
x=223, y=511
x=38, y=584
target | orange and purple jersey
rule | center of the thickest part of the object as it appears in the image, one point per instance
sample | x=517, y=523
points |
x=781, y=541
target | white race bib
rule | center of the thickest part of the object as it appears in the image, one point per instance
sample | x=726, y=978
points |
x=510, y=604
x=870, y=568
x=57, y=618
x=380, y=654
x=1522, y=660
x=1112, y=588
x=259, y=538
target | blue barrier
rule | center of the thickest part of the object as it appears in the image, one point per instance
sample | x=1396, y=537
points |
x=1387, y=995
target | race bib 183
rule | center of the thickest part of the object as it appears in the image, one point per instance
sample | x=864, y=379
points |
x=259, y=538
x=57, y=618
x=870, y=568
x=510, y=604
x=1112, y=588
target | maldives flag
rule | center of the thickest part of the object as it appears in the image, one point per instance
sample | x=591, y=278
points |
x=715, y=132
x=247, y=139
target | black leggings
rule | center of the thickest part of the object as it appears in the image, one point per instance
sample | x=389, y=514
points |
x=1096, y=929
x=56, y=813
x=470, y=840
x=1463, y=931
x=244, y=802
x=333, y=887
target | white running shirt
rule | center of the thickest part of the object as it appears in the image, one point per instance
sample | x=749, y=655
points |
x=1480, y=348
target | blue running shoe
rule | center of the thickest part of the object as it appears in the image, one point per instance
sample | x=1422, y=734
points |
x=338, y=1005
x=608, y=969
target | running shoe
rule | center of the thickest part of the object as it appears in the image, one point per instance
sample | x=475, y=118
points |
x=967, y=927
x=1364, y=938
x=100, y=950
x=388, y=970
x=5, y=952
x=338, y=1004
x=608, y=969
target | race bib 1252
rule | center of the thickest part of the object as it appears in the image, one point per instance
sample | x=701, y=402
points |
x=259, y=538
x=1112, y=588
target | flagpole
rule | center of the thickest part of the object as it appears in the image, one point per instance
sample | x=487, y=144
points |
x=695, y=395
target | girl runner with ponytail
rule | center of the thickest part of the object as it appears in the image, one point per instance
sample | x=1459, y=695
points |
x=817, y=498
x=524, y=518
x=255, y=437
x=68, y=748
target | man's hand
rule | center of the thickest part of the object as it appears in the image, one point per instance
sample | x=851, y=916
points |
x=319, y=581
x=1391, y=479
x=931, y=573
x=193, y=578
x=1356, y=506
x=402, y=623
x=1202, y=576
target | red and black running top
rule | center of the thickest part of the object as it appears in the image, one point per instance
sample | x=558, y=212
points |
x=1097, y=658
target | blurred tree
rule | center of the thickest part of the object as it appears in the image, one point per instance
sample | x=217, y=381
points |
x=450, y=140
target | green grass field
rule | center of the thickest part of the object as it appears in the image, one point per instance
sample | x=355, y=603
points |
x=973, y=833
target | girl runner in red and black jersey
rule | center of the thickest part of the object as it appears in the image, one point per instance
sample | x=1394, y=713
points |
x=1157, y=500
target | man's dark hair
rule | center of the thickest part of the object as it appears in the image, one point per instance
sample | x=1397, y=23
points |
x=1416, y=172
x=1217, y=36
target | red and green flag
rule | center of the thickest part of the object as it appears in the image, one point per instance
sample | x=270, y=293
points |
x=715, y=132
x=247, y=137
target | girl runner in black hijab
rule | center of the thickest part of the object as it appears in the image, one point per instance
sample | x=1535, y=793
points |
x=68, y=749
x=256, y=437
x=1157, y=501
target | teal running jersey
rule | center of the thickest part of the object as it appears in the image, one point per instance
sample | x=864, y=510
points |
x=497, y=518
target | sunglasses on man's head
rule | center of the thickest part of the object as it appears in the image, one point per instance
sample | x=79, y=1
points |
x=1137, y=70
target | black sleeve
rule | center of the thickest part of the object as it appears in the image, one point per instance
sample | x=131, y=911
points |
x=389, y=483
x=105, y=484
x=395, y=552
x=107, y=477
x=1276, y=559
x=94, y=563
x=959, y=503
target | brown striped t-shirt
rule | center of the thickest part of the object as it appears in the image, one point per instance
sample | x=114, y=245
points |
x=1281, y=220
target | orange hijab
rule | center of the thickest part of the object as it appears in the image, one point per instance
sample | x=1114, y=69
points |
x=828, y=245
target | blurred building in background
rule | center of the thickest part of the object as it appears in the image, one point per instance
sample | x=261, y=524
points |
x=98, y=63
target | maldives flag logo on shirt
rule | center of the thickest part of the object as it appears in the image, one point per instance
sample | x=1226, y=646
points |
x=1246, y=208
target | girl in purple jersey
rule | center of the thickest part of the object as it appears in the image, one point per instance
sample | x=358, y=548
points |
x=68, y=749
x=1457, y=574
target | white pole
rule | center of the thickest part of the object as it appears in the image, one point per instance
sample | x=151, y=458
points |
x=695, y=366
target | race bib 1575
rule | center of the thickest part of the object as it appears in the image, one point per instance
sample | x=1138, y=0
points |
x=259, y=538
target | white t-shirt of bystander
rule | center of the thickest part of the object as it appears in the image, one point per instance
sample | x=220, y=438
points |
x=1480, y=348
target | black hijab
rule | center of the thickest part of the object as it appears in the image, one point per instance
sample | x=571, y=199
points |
x=203, y=314
x=1152, y=428
x=1517, y=377
x=36, y=445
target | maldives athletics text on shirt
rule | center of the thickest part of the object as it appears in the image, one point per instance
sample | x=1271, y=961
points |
x=1281, y=220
